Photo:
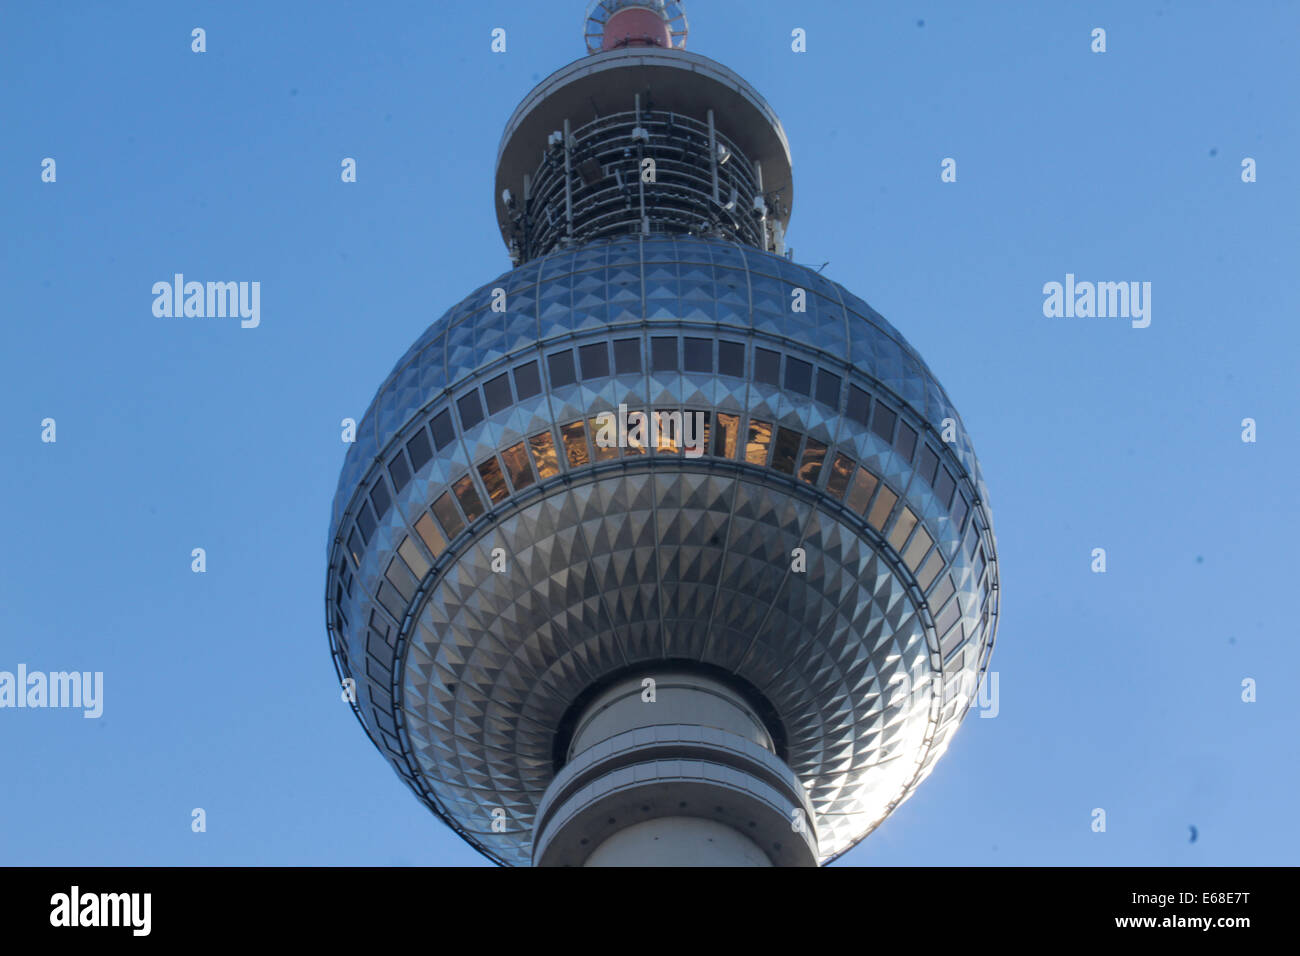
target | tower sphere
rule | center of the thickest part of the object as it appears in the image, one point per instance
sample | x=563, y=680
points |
x=659, y=539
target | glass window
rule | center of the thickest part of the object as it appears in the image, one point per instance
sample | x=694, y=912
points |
x=917, y=548
x=627, y=356
x=419, y=450
x=497, y=393
x=786, y=450
x=595, y=360
x=669, y=431
x=561, y=368
x=814, y=454
x=859, y=405
x=527, y=382
x=544, y=456
x=731, y=359
x=728, y=435
x=400, y=577
x=828, y=388
x=698, y=354
x=760, y=436
x=902, y=528
x=767, y=366
x=470, y=503
x=880, y=510
x=905, y=441
x=947, y=617
x=380, y=498
x=412, y=556
x=638, y=433
x=445, y=510
x=960, y=508
x=471, y=410
x=663, y=353
x=864, y=483
x=444, y=433
x=932, y=568
x=841, y=472
x=575, y=444
x=355, y=547
x=607, y=433
x=365, y=522
x=929, y=462
x=942, y=591
x=944, y=486
x=494, y=479
x=399, y=471
x=517, y=466
x=882, y=422
x=798, y=375
x=701, y=436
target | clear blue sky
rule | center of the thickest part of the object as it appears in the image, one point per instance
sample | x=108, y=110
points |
x=1119, y=690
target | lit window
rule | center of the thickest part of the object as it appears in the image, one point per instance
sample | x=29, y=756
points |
x=786, y=450
x=902, y=528
x=917, y=549
x=760, y=436
x=575, y=444
x=841, y=472
x=728, y=435
x=881, y=509
x=670, y=431
x=494, y=480
x=445, y=510
x=413, y=558
x=470, y=503
x=517, y=467
x=607, y=433
x=430, y=535
x=543, y=446
x=864, y=483
x=814, y=454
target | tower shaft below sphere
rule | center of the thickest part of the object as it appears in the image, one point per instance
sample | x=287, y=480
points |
x=673, y=769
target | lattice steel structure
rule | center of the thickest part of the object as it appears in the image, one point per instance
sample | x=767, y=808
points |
x=809, y=580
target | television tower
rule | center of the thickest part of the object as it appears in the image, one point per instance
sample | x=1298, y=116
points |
x=659, y=548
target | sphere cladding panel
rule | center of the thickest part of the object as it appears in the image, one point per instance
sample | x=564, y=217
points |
x=661, y=556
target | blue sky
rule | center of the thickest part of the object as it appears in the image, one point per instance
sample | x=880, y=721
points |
x=1119, y=690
